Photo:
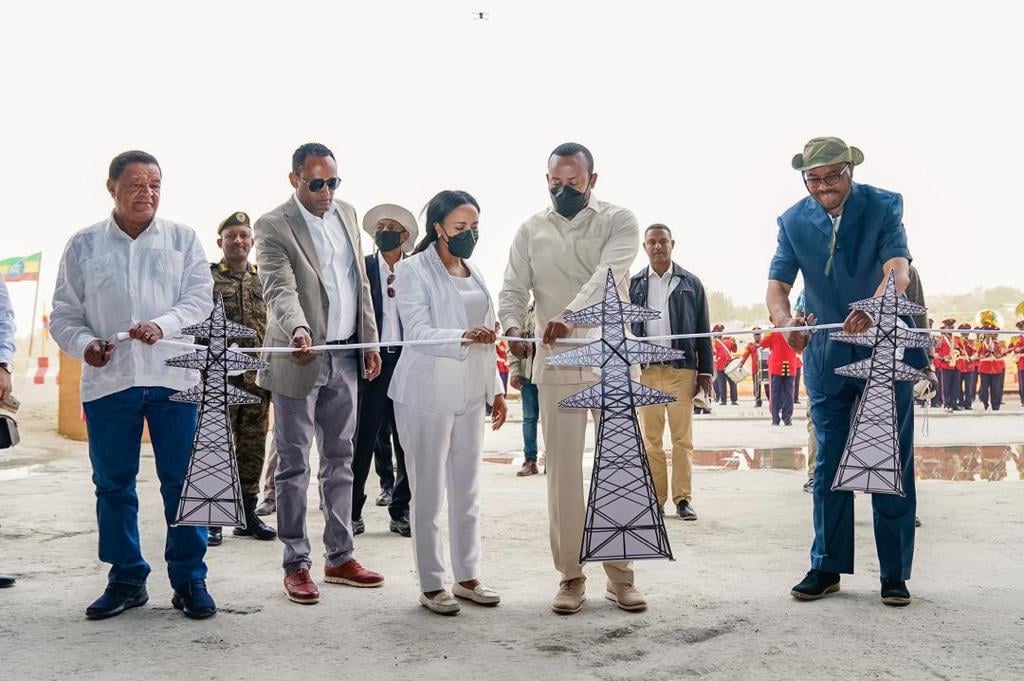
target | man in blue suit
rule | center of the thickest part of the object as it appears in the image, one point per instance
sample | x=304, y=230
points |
x=844, y=238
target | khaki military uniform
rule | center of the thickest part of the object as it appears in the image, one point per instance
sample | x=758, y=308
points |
x=243, y=304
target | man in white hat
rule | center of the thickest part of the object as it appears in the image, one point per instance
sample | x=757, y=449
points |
x=393, y=230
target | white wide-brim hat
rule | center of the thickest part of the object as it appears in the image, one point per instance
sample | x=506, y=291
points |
x=399, y=215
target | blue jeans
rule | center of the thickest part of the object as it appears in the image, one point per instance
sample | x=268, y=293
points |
x=114, y=425
x=531, y=412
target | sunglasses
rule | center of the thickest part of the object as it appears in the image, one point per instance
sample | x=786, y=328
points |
x=318, y=184
x=830, y=180
x=391, y=289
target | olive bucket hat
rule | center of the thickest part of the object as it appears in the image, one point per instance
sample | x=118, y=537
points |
x=826, y=151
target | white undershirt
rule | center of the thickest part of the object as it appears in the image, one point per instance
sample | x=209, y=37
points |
x=659, y=288
x=481, y=357
x=390, y=331
x=337, y=266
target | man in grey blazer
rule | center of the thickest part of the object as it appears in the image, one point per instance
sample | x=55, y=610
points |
x=314, y=282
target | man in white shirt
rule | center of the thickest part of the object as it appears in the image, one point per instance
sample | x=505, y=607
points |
x=139, y=273
x=679, y=296
x=561, y=256
x=393, y=230
x=315, y=287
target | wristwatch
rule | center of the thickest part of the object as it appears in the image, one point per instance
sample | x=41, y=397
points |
x=6, y=367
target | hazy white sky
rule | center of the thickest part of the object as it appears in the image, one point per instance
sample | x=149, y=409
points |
x=692, y=110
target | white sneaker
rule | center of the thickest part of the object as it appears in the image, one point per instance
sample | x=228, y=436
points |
x=479, y=594
x=442, y=603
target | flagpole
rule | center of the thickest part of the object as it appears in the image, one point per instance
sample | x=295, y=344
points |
x=35, y=304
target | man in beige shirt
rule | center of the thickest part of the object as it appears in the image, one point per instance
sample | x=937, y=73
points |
x=561, y=256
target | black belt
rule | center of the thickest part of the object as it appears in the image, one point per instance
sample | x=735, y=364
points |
x=348, y=341
x=391, y=349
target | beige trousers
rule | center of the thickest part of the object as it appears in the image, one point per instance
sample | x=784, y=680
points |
x=682, y=385
x=564, y=433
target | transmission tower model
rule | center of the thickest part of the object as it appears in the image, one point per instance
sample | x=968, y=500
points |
x=871, y=460
x=623, y=519
x=212, y=495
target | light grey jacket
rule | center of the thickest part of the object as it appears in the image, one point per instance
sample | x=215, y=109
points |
x=295, y=295
x=436, y=378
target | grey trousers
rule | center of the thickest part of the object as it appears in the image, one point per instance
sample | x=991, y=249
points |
x=329, y=412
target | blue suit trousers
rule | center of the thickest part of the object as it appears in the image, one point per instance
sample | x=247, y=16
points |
x=832, y=550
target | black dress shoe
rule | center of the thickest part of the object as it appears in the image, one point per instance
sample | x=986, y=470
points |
x=117, y=598
x=384, y=498
x=358, y=526
x=254, y=525
x=402, y=527
x=194, y=600
x=895, y=593
x=816, y=585
x=7, y=581
x=214, y=536
x=685, y=511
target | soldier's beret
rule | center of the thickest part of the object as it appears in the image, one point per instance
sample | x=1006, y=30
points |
x=234, y=219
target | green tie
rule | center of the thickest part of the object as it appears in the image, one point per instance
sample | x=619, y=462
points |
x=831, y=251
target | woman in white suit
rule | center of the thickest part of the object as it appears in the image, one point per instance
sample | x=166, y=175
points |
x=440, y=392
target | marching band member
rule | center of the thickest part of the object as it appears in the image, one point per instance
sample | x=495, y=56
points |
x=724, y=347
x=992, y=368
x=1016, y=346
x=966, y=366
x=946, y=355
x=751, y=351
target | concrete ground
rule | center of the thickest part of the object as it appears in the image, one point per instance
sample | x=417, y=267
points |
x=721, y=610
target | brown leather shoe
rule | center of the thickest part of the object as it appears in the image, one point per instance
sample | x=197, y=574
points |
x=353, y=574
x=529, y=468
x=301, y=588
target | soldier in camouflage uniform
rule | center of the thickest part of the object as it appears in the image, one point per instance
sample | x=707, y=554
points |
x=235, y=278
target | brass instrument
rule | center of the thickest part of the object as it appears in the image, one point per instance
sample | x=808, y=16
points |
x=990, y=318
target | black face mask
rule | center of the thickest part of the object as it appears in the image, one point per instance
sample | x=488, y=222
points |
x=387, y=241
x=568, y=201
x=462, y=244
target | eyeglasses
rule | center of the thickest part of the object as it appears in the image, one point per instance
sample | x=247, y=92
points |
x=318, y=184
x=391, y=290
x=830, y=180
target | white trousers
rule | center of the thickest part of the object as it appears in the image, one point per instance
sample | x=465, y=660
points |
x=443, y=452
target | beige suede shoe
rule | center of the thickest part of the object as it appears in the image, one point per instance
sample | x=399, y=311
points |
x=570, y=596
x=626, y=597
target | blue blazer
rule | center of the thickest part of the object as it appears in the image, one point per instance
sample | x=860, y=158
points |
x=870, y=233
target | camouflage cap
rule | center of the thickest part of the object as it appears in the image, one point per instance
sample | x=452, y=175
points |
x=232, y=220
x=826, y=151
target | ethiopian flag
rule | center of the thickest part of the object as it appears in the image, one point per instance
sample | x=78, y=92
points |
x=21, y=269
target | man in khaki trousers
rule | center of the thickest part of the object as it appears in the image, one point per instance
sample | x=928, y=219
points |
x=679, y=296
x=561, y=256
